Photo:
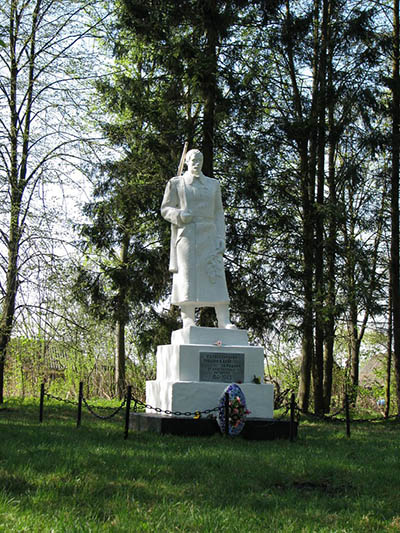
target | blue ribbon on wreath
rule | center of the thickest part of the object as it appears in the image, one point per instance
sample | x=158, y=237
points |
x=237, y=410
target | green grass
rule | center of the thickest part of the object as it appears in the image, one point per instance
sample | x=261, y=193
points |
x=57, y=478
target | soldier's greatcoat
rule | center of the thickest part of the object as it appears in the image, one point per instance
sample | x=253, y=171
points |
x=197, y=266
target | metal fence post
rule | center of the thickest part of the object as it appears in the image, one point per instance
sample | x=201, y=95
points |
x=127, y=411
x=41, y=402
x=80, y=397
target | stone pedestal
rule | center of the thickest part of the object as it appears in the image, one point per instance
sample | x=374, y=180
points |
x=193, y=371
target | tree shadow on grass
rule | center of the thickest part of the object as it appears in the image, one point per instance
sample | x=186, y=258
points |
x=93, y=471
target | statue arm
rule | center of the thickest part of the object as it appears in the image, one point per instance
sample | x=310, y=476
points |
x=219, y=220
x=170, y=205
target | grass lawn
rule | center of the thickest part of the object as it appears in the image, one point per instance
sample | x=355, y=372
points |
x=57, y=478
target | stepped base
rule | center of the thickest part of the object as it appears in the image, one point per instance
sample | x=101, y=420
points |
x=194, y=370
x=254, y=429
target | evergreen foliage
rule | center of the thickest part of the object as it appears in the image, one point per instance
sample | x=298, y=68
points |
x=292, y=105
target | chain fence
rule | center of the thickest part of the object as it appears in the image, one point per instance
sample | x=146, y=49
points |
x=91, y=410
x=129, y=398
x=290, y=410
x=377, y=419
x=347, y=418
x=58, y=399
x=290, y=406
x=196, y=414
x=333, y=417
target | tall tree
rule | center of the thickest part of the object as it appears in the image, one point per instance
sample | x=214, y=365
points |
x=169, y=88
x=39, y=46
x=395, y=145
x=273, y=97
x=312, y=110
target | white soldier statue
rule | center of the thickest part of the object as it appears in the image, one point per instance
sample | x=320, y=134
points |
x=192, y=204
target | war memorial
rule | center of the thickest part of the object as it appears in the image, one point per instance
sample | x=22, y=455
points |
x=201, y=364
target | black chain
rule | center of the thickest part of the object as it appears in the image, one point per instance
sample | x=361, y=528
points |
x=278, y=401
x=175, y=413
x=274, y=421
x=283, y=415
x=333, y=417
x=104, y=407
x=107, y=417
x=188, y=413
x=89, y=407
x=378, y=419
x=60, y=399
x=326, y=418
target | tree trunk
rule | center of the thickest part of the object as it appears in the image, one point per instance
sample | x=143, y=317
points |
x=17, y=172
x=352, y=326
x=7, y=316
x=330, y=248
x=308, y=261
x=330, y=297
x=209, y=85
x=120, y=358
x=319, y=219
x=8, y=306
x=354, y=364
x=307, y=176
x=394, y=251
x=389, y=354
x=122, y=317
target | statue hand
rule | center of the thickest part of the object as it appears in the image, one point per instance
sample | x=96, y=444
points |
x=186, y=216
x=220, y=246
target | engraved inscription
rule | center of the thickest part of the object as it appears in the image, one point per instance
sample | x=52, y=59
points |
x=222, y=367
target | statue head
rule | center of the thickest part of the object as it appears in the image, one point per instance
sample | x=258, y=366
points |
x=194, y=161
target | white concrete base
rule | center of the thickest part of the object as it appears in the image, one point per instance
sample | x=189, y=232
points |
x=194, y=396
x=182, y=362
x=191, y=372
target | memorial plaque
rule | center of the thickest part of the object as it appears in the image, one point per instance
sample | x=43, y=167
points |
x=222, y=367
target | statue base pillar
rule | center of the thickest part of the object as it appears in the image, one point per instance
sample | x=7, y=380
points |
x=194, y=370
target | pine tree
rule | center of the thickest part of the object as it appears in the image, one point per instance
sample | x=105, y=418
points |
x=167, y=89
